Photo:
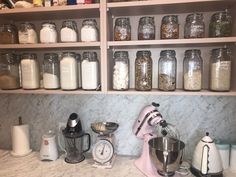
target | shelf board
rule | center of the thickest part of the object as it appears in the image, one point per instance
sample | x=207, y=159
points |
x=167, y=7
x=54, y=12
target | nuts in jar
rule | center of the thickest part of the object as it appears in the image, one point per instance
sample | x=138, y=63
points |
x=170, y=27
x=8, y=34
x=122, y=29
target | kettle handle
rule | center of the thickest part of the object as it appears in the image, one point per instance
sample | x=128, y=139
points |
x=205, y=160
x=89, y=142
x=60, y=138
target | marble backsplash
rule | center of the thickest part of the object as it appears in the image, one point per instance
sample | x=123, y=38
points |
x=192, y=115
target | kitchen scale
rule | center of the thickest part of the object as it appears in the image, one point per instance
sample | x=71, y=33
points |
x=103, y=150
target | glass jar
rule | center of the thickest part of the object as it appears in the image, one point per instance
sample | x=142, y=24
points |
x=167, y=71
x=85, y=2
x=8, y=34
x=78, y=58
x=170, y=27
x=221, y=25
x=192, y=70
x=69, y=71
x=27, y=33
x=51, y=71
x=146, y=28
x=48, y=33
x=71, y=2
x=121, y=71
x=194, y=26
x=220, y=69
x=89, y=31
x=69, y=31
x=90, y=71
x=122, y=29
x=143, y=71
x=9, y=72
x=30, y=71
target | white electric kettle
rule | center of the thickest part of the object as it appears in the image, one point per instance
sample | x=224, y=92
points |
x=206, y=159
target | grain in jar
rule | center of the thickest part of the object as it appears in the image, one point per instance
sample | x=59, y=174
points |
x=170, y=27
x=27, y=33
x=143, y=71
x=122, y=29
x=8, y=34
x=220, y=69
x=69, y=31
x=48, y=33
x=146, y=28
x=89, y=31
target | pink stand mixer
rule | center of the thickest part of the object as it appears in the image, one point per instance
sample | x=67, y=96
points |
x=158, y=157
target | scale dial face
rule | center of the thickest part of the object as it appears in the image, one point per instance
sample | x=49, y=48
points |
x=103, y=151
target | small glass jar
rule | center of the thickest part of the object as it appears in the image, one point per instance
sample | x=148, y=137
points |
x=192, y=70
x=71, y=2
x=167, y=70
x=121, y=71
x=122, y=29
x=90, y=71
x=89, y=31
x=8, y=34
x=78, y=58
x=48, y=33
x=30, y=71
x=194, y=26
x=27, y=33
x=221, y=25
x=143, y=71
x=69, y=71
x=86, y=1
x=220, y=69
x=69, y=32
x=9, y=72
x=170, y=27
x=146, y=28
x=51, y=71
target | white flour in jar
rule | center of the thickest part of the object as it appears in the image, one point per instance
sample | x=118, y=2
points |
x=89, y=34
x=50, y=81
x=193, y=80
x=48, y=35
x=68, y=35
x=120, y=76
x=29, y=37
x=89, y=75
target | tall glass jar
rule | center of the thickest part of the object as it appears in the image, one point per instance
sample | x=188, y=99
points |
x=48, y=33
x=68, y=71
x=192, y=70
x=89, y=31
x=167, y=70
x=8, y=34
x=9, y=72
x=69, y=32
x=221, y=25
x=78, y=58
x=90, y=71
x=121, y=71
x=51, y=71
x=143, y=71
x=27, y=33
x=122, y=29
x=170, y=27
x=220, y=69
x=30, y=71
x=146, y=28
x=194, y=26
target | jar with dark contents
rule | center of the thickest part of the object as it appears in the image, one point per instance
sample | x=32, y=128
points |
x=167, y=71
x=143, y=71
x=8, y=34
x=194, y=26
x=221, y=25
x=170, y=27
x=146, y=28
x=122, y=30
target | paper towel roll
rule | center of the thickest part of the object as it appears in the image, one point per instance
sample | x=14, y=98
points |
x=20, y=140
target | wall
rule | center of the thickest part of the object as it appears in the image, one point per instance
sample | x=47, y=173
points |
x=192, y=115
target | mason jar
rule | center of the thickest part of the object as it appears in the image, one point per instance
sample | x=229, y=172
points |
x=48, y=33
x=194, y=26
x=167, y=70
x=121, y=71
x=69, y=32
x=8, y=34
x=30, y=71
x=90, y=71
x=221, y=25
x=146, y=28
x=27, y=33
x=170, y=27
x=51, y=71
x=220, y=69
x=143, y=71
x=9, y=71
x=192, y=70
x=122, y=29
x=89, y=31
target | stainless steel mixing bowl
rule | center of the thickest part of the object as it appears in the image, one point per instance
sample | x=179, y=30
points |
x=166, y=154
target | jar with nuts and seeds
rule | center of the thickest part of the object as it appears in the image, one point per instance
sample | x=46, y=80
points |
x=122, y=30
x=146, y=28
x=143, y=71
x=170, y=27
x=8, y=34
